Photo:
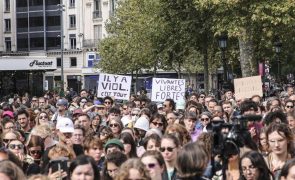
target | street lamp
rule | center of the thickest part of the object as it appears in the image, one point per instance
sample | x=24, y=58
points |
x=222, y=42
x=61, y=9
x=278, y=47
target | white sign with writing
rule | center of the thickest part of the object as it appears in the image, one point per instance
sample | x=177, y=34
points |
x=116, y=86
x=27, y=63
x=164, y=88
x=247, y=87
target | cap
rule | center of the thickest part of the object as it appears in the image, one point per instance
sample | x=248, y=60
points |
x=62, y=102
x=77, y=111
x=8, y=113
x=65, y=125
x=114, y=141
x=142, y=123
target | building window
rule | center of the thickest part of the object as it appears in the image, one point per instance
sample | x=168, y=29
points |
x=7, y=25
x=58, y=62
x=8, y=43
x=92, y=59
x=72, y=21
x=7, y=5
x=73, y=42
x=97, y=32
x=72, y=3
x=73, y=61
x=97, y=9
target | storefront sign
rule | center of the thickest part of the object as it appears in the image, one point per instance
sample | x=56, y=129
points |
x=27, y=63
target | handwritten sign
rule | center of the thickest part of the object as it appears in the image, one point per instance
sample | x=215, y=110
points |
x=116, y=86
x=247, y=87
x=163, y=88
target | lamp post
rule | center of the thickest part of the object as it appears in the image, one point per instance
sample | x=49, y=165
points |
x=61, y=9
x=222, y=42
x=278, y=46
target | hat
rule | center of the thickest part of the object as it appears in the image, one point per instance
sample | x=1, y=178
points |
x=8, y=113
x=65, y=125
x=142, y=123
x=114, y=141
x=62, y=102
x=97, y=102
x=153, y=131
x=77, y=111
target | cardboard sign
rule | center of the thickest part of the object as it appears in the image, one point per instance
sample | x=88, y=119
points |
x=163, y=88
x=247, y=87
x=116, y=86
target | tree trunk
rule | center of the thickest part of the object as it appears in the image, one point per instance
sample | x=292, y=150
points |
x=247, y=61
x=206, y=71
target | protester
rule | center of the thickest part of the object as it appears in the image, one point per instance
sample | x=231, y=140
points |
x=154, y=162
x=133, y=169
x=112, y=164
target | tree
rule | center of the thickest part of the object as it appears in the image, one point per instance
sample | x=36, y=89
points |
x=251, y=22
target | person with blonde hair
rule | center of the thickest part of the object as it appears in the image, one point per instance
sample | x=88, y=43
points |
x=133, y=169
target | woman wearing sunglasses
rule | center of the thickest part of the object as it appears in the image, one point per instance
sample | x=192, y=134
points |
x=116, y=127
x=9, y=136
x=206, y=121
x=28, y=165
x=154, y=162
x=158, y=121
x=35, y=148
x=169, y=149
x=42, y=118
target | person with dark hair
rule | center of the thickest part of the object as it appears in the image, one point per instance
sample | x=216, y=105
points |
x=84, y=167
x=190, y=121
x=288, y=170
x=129, y=145
x=158, y=121
x=289, y=106
x=23, y=119
x=112, y=164
x=191, y=162
x=276, y=116
x=170, y=147
x=253, y=167
x=152, y=142
x=155, y=163
x=84, y=121
x=84, y=93
x=169, y=106
x=105, y=133
x=108, y=102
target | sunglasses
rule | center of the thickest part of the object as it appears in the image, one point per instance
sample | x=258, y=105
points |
x=7, y=140
x=169, y=149
x=124, y=108
x=114, y=125
x=157, y=124
x=134, y=114
x=35, y=152
x=151, y=165
x=13, y=146
x=83, y=101
x=41, y=117
x=107, y=102
x=289, y=106
x=204, y=119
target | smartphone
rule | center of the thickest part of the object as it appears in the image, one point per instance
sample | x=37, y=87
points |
x=59, y=164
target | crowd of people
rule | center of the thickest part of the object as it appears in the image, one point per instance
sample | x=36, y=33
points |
x=82, y=137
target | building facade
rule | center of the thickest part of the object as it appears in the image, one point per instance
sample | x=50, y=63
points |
x=33, y=28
